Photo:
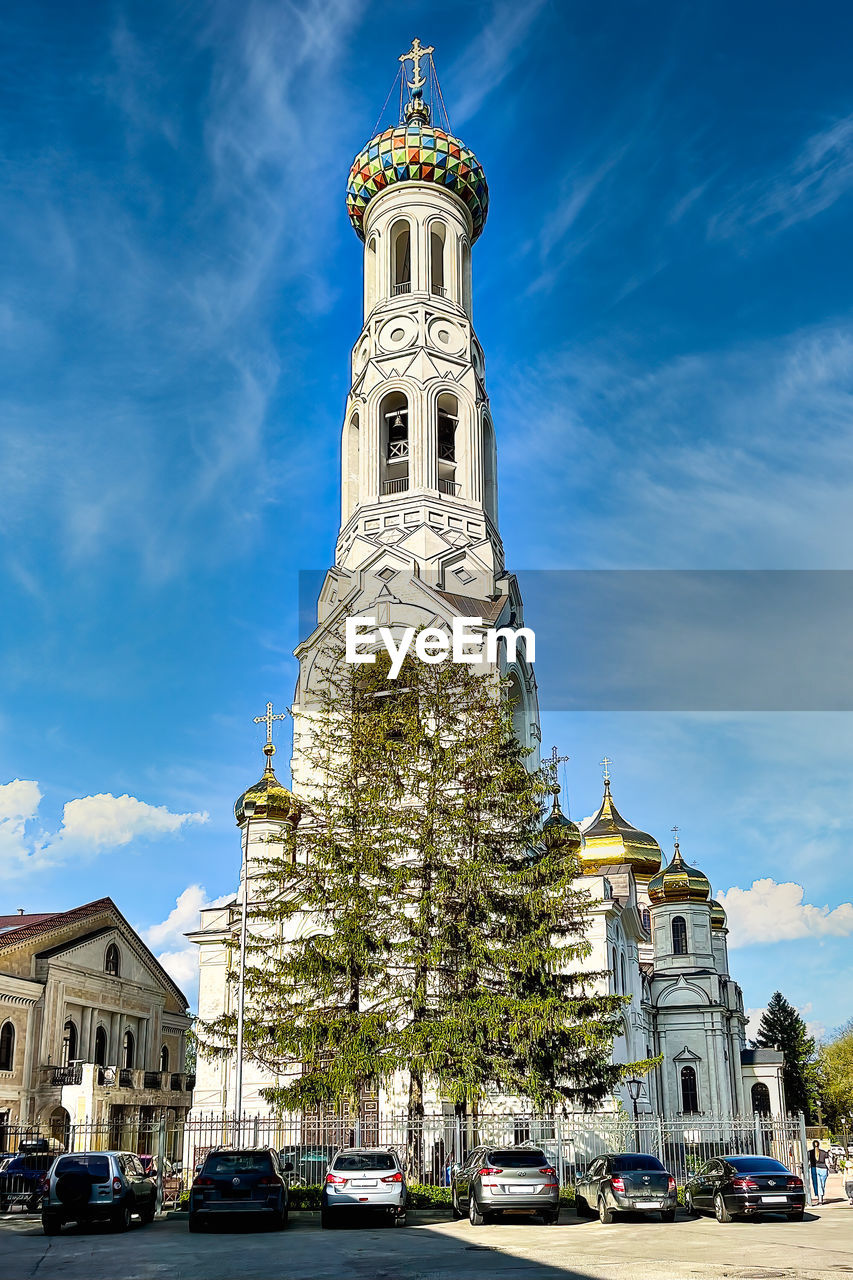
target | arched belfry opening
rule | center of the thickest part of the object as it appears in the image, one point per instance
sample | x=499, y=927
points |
x=401, y=258
x=447, y=415
x=466, y=277
x=518, y=706
x=490, y=471
x=437, y=247
x=394, y=431
x=352, y=447
x=371, y=282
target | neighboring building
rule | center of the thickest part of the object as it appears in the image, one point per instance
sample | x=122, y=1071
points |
x=92, y=1028
x=419, y=545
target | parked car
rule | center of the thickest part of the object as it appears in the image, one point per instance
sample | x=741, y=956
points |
x=735, y=1186
x=309, y=1162
x=367, y=1181
x=21, y=1176
x=246, y=1182
x=495, y=1180
x=97, y=1186
x=626, y=1182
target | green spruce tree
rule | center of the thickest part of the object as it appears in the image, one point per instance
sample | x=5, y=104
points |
x=782, y=1028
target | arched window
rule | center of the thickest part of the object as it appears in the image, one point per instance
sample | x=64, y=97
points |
x=615, y=972
x=370, y=281
x=351, y=457
x=761, y=1099
x=679, y=936
x=622, y=970
x=112, y=962
x=466, y=276
x=101, y=1047
x=490, y=471
x=128, y=1049
x=437, y=240
x=69, y=1043
x=689, y=1091
x=647, y=919
x=401, y=259
x=164, y=1058
x=394, y=428
x=7, y=1047
x=448, y=417
x=515, y=692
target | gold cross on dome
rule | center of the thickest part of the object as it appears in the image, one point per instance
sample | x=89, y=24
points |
x=605, y=764
x=268, y=720
x=414, y=56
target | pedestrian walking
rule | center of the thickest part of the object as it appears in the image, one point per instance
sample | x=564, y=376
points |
x=819, y=1170
x=845, y=1168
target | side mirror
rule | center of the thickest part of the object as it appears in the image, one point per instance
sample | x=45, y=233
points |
x=454, y=1169
x=288, y=1168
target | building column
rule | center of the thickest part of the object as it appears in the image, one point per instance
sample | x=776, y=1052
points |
x=84, y=1048
x=114, y=1043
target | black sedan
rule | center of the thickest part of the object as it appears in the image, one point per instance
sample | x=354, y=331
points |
x=740, y=1186
x=626, y=1182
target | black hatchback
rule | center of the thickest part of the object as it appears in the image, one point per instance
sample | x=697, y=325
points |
x=735, y=1186
x=626, y=1182
x=243, y=1183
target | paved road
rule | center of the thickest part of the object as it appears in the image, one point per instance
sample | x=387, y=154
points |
x=690, y=1249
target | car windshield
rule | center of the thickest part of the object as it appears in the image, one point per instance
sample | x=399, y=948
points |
x=517, y=1159
x=231, y=1162
x=625, y=1164
x=96, y=1167
x=354, y=1161
x=755, y=1164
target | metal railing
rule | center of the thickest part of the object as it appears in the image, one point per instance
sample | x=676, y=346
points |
x=395, y=486
x=66, y=1075
x=404, y=287
x=449, y=487
x=440, y=290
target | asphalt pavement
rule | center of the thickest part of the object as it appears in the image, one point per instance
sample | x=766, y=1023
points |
x=437, y=1249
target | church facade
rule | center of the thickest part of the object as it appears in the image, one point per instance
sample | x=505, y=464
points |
x=419, y=545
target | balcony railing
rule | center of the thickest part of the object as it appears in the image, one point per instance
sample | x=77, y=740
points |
x=395, y=486
x=449, y=487
x=66, y=1075
x=125, y=1078
x=440, y=290
x=397, y=289
x=152, y=1080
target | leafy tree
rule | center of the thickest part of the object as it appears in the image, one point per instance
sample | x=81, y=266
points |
x=782, y=1028
x=415, y=925
x=835, y=1076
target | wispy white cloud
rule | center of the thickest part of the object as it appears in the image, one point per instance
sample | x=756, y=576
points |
x=167, y=938
x=491, y=57
x=770, y=912
x=818, y=176
x=90, y=825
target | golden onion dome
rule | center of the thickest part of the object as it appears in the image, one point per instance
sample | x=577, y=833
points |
x=680, y=883
x=611, y=841
x=270, y=798
x=560, y=832
x=718, y=915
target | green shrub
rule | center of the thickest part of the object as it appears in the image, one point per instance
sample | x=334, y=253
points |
x=306, y=1197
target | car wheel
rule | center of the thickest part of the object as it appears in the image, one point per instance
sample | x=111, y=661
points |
x=721, y=1213
x=668, y=1215
x=605, y=1213
x=51, y=1224
x=581, y=1207
x=400, y=1219
x=796, y=1215
x=475, y=1216
x=689, y=1205
x=325, y=1219
x=121, y=1218
x=195, y=1224
x=279, y=1221
x=454, y=1207
x=551, y=1218
x=149, y=1212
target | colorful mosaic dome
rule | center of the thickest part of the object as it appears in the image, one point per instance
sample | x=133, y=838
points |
x=679, y=883
x=611, y=841
x=417, y=152
x=270, y=798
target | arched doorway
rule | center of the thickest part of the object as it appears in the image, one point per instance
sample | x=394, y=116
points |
x=761, y=1099
x=59, y=1123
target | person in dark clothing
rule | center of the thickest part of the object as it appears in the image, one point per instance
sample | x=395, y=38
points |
x=819, y=1170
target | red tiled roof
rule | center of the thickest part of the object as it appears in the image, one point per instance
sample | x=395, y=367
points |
x=21, y=918
x=33, y=925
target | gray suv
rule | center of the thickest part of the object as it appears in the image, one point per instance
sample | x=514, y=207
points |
x=97, y=1186
x=497, y=1180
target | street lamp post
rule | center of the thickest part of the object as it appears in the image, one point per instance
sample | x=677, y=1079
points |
x=248, y=810
x=635, y=1088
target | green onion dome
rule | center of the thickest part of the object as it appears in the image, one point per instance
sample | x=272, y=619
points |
x=560, y=832
x=718, y=915
x=417, y=152
x=270, y=798
x=679, y=883
x=611, y=841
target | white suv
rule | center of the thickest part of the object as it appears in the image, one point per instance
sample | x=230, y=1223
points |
x=359, y=1179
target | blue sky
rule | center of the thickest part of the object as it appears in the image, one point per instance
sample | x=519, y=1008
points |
x=663, y=292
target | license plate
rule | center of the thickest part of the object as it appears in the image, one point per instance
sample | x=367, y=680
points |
x=365, y=1186
x=774, y=1199
x=521, y=1189
x=647, y=1204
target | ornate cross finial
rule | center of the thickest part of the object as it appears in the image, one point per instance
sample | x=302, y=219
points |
x=414, y=56
x=269, y=749
x=675, y=831
x=605, y=764
x=553, y=764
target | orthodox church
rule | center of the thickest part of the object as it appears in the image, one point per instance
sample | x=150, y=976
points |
x=419, y=545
